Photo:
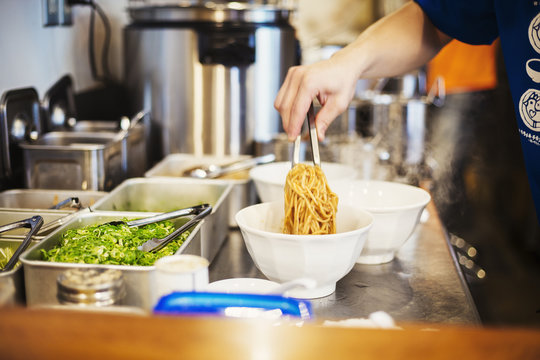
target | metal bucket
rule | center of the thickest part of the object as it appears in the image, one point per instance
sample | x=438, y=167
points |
x=397, y=126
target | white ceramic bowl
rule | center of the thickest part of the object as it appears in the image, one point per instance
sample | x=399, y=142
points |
x=396, y=210
x=284, y=257
x=269, y=179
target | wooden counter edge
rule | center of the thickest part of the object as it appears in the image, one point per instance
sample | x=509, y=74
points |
x=63, y=334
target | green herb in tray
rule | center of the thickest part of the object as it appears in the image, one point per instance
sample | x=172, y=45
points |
x=113, y=244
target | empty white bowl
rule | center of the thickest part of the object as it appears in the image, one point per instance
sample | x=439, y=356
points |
x=285, y=257
x=396, y=210
x=269, y=179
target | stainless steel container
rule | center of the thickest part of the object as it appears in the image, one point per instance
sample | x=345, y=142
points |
x=41, y=276
x=12, y=282
x=133, y=143
x=44, y=199
x=167, y=194
x=242, y=194
x=78, y=161
x=209, y=73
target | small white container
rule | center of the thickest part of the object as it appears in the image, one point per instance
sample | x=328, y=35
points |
x=179, y=273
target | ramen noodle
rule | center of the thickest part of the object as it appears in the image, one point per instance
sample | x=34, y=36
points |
x=310, y=205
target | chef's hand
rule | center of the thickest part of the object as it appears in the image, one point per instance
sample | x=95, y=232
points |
x=373, y=55
x=330, y=81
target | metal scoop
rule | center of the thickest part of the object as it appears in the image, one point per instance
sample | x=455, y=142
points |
x=154, y=244
x=314, y=140
x=213, y=171
x=34, y=223
x=71, y=202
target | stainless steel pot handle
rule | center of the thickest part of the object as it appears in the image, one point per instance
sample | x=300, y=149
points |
x=437, y=92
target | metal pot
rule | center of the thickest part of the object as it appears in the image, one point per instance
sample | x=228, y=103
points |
x=209, y=72
x=398, y=126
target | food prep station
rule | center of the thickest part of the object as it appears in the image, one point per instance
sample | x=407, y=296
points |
x=198, y=88
x=424, y=283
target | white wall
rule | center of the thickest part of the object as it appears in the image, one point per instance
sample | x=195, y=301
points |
x=35, y=56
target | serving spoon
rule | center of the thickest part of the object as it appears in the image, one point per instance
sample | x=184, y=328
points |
x=213, y=171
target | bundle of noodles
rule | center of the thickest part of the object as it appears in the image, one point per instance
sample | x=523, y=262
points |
x=310, y=205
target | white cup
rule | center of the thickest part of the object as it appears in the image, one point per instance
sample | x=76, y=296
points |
x=179, y=273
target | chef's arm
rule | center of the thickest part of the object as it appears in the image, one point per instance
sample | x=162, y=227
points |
x=394, y=45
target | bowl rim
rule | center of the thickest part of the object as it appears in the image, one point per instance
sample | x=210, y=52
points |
x=420, y=203
x=304, y=238
x=278, y=164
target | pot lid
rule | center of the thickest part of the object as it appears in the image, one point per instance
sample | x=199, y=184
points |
x=163, y=11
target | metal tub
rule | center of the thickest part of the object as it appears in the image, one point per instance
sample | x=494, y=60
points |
x=42, y=199
x=243, y=192
x=133, y=143
x=12, y=290
x=68, y=160
x=40, y=276
x=167, y=194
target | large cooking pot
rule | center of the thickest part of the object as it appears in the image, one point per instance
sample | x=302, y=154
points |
x=396, y=123
x=210, y=72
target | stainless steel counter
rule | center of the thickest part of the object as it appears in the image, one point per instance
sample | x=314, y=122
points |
x=422, y=284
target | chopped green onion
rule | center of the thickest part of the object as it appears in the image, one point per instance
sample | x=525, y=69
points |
x=113, y=244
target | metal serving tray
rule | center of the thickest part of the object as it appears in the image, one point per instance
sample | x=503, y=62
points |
x=167, y=194
x=12, y=282
x=243, y=192
x=44, y=199
x=40, y=276
x=133, y=143
x=68, y=160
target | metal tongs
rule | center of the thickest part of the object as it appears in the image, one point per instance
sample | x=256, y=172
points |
x=154, y=244
x=193, y=210
x=34, y=223
x=314, y=140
